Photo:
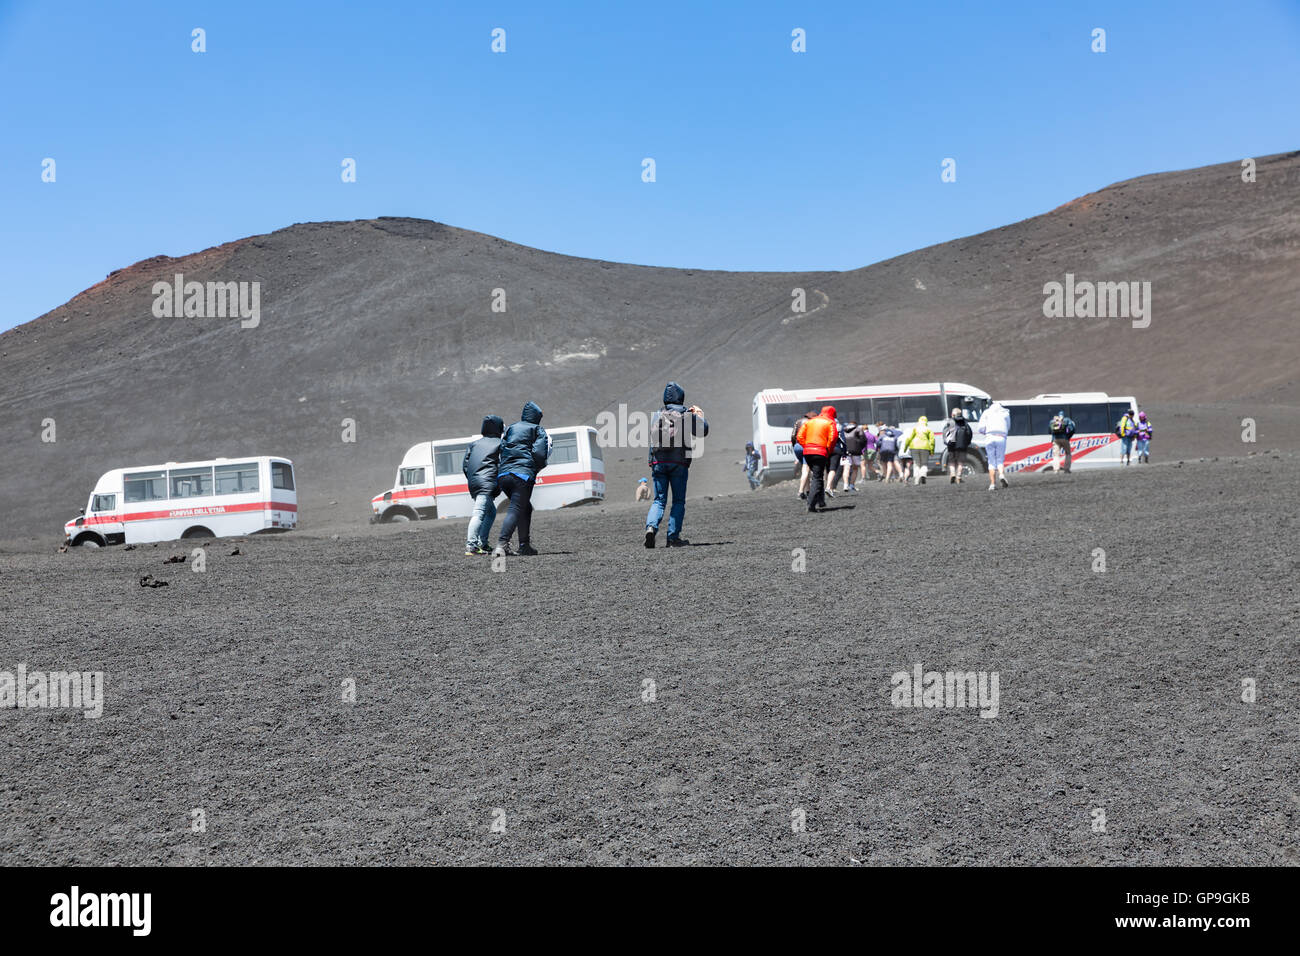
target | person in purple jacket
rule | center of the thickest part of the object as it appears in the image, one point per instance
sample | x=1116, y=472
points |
x=1144, y=431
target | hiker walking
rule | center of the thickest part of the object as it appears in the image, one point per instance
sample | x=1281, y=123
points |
x=995, y=423
x=673, y=430
x=818, y=435
x=855, y=441
x=1126, y=431
x=887, y=443
x=752, y=462
x=920, y=440
x=1062, y=429
x=957, y=437
x=480, y=469
x=523, y=453
x=1144, y=431
x=837, y=455
x=643, y=490
x=800, y=465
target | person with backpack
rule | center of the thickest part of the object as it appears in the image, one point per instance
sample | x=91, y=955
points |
x=887, y=445
x=870, y=468
x=1126, y=431
x=818, y=436
x=920, y=440
x=525, y=447
x=673, y=430
x=957, y=436
x=996, y=424
x=800, y=465
x=837, y=455
x=1062, y=428
x=480, y=469
x=1144, y=432
x=752, y=462
x=855, y=440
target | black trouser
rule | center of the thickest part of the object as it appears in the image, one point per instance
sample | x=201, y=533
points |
x=520, y=493
x=816, y=487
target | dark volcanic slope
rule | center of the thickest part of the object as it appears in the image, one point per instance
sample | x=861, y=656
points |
x=521, y=690
x=389, y=323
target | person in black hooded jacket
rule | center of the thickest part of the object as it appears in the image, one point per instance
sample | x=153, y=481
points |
x=524, y=451
x=672, y=432
x=480, y=468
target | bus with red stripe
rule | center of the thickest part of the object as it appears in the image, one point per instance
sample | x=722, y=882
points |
x=431, y=484
x=217, y=498
x=776, y=410
x=1094, y=445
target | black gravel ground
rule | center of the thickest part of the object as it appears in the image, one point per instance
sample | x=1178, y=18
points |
x=518, y=696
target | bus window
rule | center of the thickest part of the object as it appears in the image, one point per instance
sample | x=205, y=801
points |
x=564, y=450
x=145, y=486
x=411, y=476
x=104, y=503
x=190, y=482
x=785, y=414
x=1019, y=420
x=1091, y=419
x=596, y=454
x=914, y=406
x=1040, y=418
x=282, y=475
x=972, y=406
x=1117, y=410
x=236, y=479
x=887, y=410
x=449, y=460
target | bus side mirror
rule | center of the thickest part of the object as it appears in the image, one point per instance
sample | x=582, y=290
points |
x=81, y=511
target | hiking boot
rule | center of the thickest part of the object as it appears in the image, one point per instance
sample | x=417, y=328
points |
x=503, y=551
x=678, y=542
x=921, y=480
x=649, y=537
x=1004, y=483
x=803, y=496
x=527, y=551
x=952, y=479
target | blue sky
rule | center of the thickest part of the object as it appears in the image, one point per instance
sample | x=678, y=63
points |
x=766, y=159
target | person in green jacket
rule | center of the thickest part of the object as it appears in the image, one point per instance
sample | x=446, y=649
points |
x=920, y=439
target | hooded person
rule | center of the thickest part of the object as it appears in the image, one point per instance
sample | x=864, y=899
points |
x=957, y=436
x=673, y=430
x=753, y=460
x=480, y=468
x=995, y=424
x=818, y=436
x=920, y=439
x=525, y=447
x=1144, y=431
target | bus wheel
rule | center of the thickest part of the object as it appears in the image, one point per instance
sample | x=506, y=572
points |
x=87, y=541
x=198, y=531
x=397, y=515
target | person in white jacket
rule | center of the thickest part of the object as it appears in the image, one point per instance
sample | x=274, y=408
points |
x=996, y=423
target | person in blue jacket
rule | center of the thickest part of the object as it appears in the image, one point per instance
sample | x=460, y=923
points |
x=672, y=430
x=480, y=468
x=523, y=453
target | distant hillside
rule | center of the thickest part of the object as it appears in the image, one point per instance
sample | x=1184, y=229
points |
x=389, y=322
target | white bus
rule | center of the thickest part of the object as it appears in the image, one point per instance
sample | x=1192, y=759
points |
x=193, y=499
x=430, y=483
x=1094, y=445
x=776, y=410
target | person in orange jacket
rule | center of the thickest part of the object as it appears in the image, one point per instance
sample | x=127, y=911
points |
x=818, y=435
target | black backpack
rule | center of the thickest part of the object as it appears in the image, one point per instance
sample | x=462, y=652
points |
x=668, y=429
